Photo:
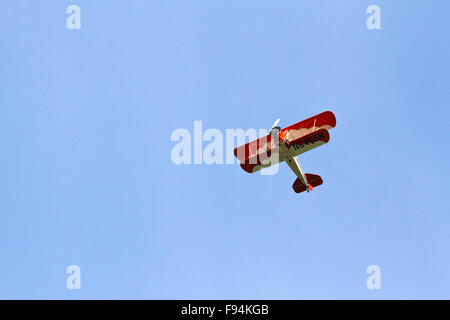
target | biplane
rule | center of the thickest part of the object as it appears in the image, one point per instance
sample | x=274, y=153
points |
x=285, y=145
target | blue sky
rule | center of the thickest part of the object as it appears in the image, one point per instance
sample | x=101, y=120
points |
x=87, y=177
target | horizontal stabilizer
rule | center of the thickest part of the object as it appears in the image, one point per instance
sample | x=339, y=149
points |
x=313, y=179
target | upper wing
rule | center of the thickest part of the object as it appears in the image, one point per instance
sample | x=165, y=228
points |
x=303, y=136
x=324, y=120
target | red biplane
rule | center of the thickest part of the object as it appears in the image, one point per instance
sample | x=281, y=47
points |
x=285, y=145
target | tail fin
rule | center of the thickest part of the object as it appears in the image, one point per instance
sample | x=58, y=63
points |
x=313, y=180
